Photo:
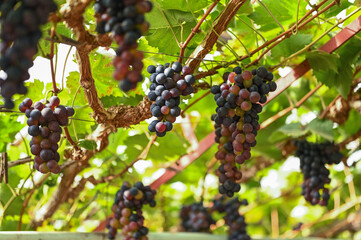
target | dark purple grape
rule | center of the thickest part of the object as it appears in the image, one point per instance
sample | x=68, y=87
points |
x=34, y=131
x=47, y=154
x=35, y=114
x=35, y=149
x=54, y=137
x=70, y=111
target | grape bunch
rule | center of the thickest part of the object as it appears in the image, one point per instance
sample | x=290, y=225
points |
x=20, y=22
x=196, y=218
x=238, y=101
x=125, y=20
x=233, y=219
x=127, y=209
x=313, y=158
x=169, y=83
x=45, y=123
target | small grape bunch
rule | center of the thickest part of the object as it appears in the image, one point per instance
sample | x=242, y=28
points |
x=169, y=83
x=127, y=209
x=313, y=160
x=233, y=219
x=196, y=218
x=20, y=32
x=45, y=123
x=125, y=20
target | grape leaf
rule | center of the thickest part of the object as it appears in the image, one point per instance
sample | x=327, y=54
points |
x=322, y=61
x=292, y=129
x=291, y=45
x=322, y=128
x=333, y=71
x=88, y=144
x=161, y=30
x=280, y=11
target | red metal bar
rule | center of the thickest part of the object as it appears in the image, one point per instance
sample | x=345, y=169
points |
x=188, y=132
x=184, y=161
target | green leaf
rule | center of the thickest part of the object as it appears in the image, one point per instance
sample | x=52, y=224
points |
x=7, y=134
x=292, y=129
x=321, y=128
x=322, y=61
x=88, y=144
x=160, y=34
x=291, y=45
x=336, y=71
x=280, y=11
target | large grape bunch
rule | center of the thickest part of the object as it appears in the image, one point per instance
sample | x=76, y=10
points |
x=45, y=123
x=233, y=219
x=20, y=33
x=239, y=101
x=125, y=20
x=127, y=209
x=169, y=83
x=313, y=160
x=196, y=218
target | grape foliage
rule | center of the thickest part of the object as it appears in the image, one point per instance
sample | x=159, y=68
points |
x=238, y=101
x=168, y=84
x=45, y=123
x=20, y=22
x=125, y=20
x=313, y=160
x=127, y=209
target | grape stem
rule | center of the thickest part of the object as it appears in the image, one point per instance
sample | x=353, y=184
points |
x=195, y=30
x=51, y=57
x=20, y=161
x=284, y=112
x=4, y=168
x=194, y=102
x=67, y=135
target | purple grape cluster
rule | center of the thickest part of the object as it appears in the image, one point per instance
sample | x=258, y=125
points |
x=239, y=101
x=45, y=123
x=313, y=160
x=20, y=22
x=196, y=218
x=127, y=209
x=233, y=219
x=169, y=83
x=125, y=20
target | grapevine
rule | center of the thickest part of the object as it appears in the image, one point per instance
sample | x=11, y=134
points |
x=312, y=47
